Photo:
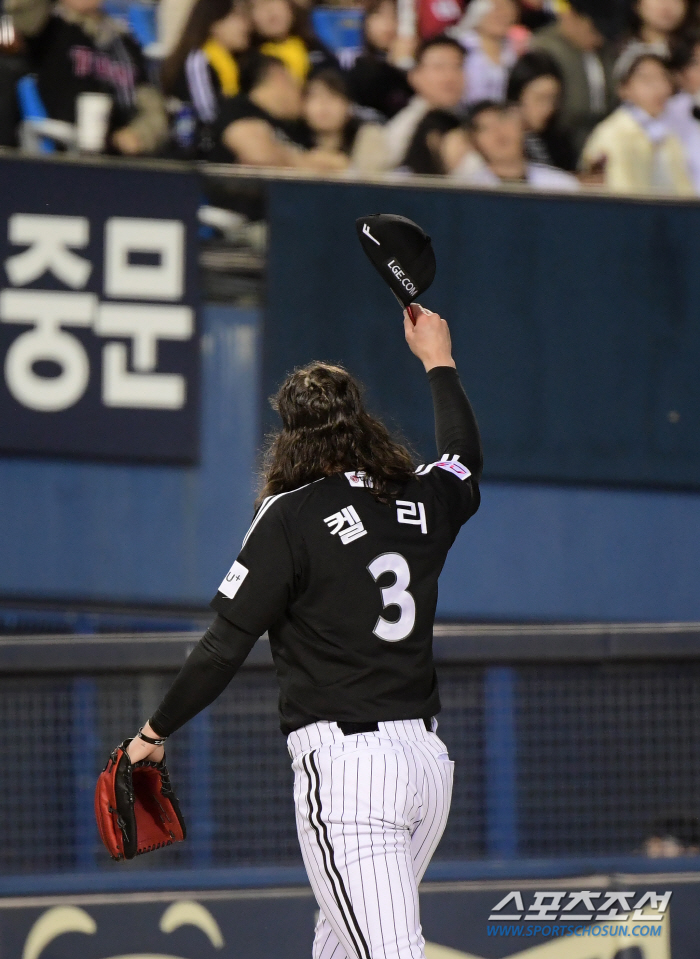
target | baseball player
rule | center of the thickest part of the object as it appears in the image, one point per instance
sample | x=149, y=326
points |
x=341, y=567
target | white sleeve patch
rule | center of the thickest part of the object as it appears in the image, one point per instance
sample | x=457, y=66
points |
x=358, y=478
x=449, y=463
x=454, y=466
x=233, y=580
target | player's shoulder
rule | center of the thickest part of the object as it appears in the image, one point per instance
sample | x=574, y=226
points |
x=333, y=486
x=451, y=484
x=280, y=508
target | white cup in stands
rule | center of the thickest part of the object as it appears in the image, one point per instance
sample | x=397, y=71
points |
x=92, y=112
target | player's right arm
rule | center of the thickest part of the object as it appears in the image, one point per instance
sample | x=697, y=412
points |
x=456, y=429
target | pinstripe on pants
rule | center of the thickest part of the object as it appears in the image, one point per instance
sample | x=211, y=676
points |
x=371, y=809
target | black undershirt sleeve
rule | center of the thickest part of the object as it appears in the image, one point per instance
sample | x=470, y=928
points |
x=456, y=429
x=208, y=670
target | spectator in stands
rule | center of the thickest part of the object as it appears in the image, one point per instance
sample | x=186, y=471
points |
x=75, y=48
x=203, y=66
x=535, y=14
x=497, y=133
x=376, y=80
x=171, y=17
x=437, y=16
x=659, y=21
x=677, y=834
x=577, y=42
x=535, y=83
x=282, y=30
x=261, y=126
x=635, y=146
x=683, y=110
x=328, y=113
x=12, y=67
x=438, y=82
x=483, y=32
x=430, y=150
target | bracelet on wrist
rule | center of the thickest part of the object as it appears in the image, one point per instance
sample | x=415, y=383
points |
x=150, y=739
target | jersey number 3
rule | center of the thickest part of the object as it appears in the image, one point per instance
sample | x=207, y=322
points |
x=395, y=595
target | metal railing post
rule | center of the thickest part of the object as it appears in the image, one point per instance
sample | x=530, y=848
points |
x=84, y=756
x=500, y=756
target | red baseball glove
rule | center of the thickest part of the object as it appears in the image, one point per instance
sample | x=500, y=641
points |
x=135, y=806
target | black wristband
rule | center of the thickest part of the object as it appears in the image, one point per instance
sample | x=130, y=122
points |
x=149, y=739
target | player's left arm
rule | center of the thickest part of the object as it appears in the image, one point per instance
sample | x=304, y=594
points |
x=208, y=670
x=252, y=596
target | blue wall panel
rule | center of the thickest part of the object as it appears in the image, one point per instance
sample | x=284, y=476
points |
x=142, y=533
x=574, y=322
x=547, y=552
x=167, y=534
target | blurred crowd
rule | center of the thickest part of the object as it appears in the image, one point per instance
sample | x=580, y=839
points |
x=557, y=94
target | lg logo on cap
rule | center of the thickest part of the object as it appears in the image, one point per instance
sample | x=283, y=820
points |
x=400, y=275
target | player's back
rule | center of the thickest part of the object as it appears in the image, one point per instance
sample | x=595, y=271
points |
x=354, y=642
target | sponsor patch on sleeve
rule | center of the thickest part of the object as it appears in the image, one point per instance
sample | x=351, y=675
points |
x=358, y=478
x=454, y=466
x=233, y=580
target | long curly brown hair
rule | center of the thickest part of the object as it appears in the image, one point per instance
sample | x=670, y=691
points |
x=327, y=430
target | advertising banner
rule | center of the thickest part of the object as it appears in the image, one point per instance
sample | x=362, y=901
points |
x=597, y=917
x=99, y=352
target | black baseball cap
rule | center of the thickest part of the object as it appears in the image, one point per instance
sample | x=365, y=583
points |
x=401, y=252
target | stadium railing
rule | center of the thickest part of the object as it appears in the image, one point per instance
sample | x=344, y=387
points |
x=571, y=744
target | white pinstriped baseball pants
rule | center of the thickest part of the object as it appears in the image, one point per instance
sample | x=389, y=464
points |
x=371, y=809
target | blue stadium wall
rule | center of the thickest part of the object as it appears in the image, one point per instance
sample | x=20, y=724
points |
x=575, y=327
x=77, y=530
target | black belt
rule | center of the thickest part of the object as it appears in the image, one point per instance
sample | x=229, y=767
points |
x=351, y=729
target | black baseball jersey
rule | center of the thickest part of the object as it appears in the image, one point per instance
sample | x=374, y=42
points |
x=347, y=587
